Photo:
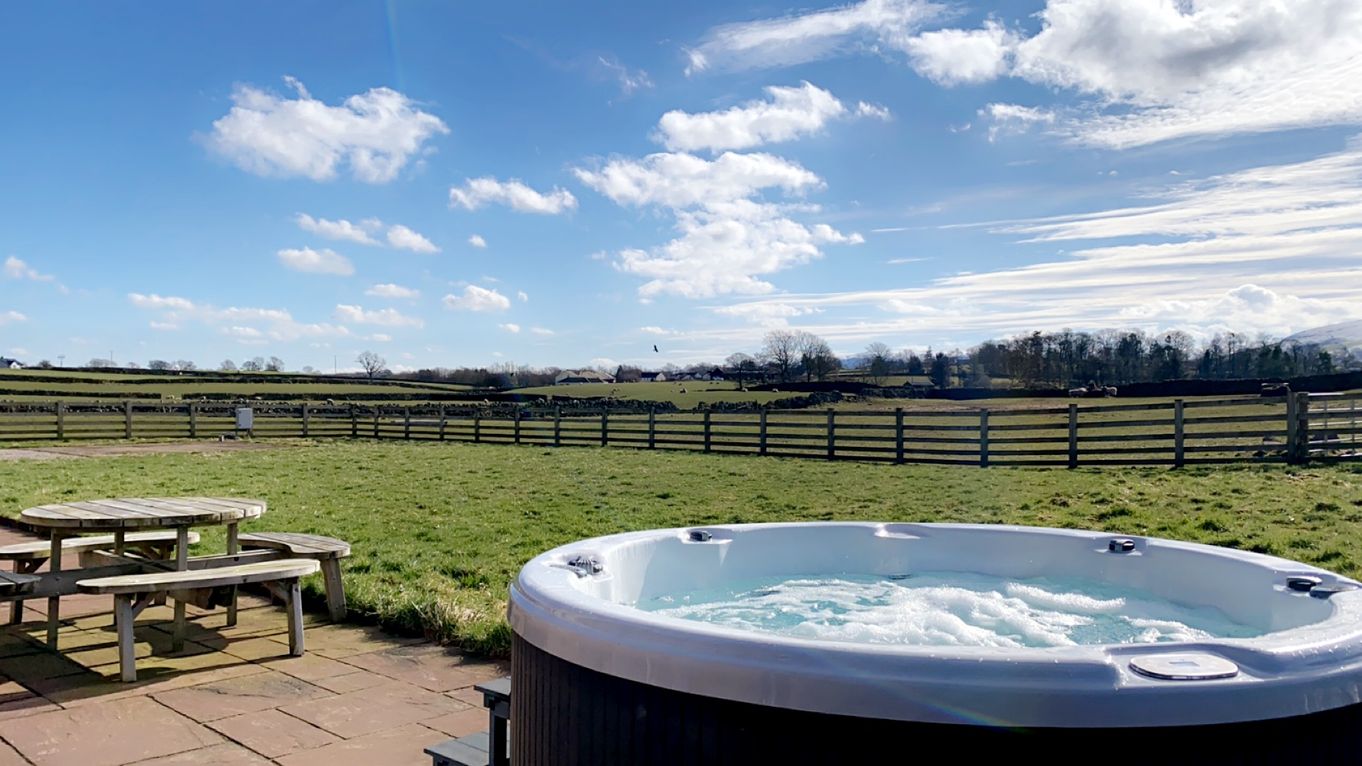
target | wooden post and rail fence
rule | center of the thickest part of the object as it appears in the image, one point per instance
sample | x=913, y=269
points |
x=1297, y=428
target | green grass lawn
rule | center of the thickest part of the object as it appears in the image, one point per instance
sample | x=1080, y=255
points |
x=687, y=394
x=112, y=384
x=439, y=530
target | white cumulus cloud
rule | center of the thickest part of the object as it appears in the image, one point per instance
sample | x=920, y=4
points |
x=480, y=192
x=324, y=261
x=477, y=241
x=403, y=238
x=154, y=301
x=15, y=268
x=510, y=327
x=523, y=296
x=956, y=56
x=390, y=290
x=11, y=316
x=340, y=229
x=374, y=134
x=786, y=113
x=476, y=298
x=544, y=331
x=381, y=317
x=683, y=180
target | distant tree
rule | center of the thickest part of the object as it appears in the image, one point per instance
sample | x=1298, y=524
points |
x=184, y=365
x=99, y=364
x=371, y=363
x=913, y=364
x=742, y=365
x=877, y=358
x=627, y=373
x=253, y=365
x=275, y=364
x=941, y=370
x=781, y=349
x=132, y=366
x=227, y=366
x=44, y=365
x=816, y=357
x=158, y=364
x=309, y=370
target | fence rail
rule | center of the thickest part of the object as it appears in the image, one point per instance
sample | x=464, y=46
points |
x=1295, y=429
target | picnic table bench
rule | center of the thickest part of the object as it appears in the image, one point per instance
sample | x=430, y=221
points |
x=146, y=559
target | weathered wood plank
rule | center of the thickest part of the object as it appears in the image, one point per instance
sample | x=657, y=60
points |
x=261, y=571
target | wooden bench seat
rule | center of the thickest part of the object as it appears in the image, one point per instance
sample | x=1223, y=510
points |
x=42, y=549
x=132, y=593
x=464, y=751
x=28, y=557
x=328, y=551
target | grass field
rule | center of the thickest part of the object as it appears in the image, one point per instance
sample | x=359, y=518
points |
x=686, y=395
x=95, y=384
x=439, y=530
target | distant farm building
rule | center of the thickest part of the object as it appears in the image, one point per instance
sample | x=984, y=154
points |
x=652, y=377
x=10, y=364
x=569, y=377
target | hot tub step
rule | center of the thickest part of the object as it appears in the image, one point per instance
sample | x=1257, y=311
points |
x=464, y=751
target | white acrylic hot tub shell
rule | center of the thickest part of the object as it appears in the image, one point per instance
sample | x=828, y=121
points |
x=1309, y=662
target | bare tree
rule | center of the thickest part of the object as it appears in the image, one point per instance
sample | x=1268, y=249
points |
x=742, y=365
x=816, y=358
x=371, y=363
x=227, y=366
x=98, y=363
x=781, y=349
x=158, y=364
x=186, y=365
x=878, y=356
x=275, y=364
x=253, y=365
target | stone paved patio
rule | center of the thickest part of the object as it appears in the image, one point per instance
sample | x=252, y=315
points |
x=232, y=697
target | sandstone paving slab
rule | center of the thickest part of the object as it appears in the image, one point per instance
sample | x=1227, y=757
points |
x=435, y=668
x=93, y=687
x=235, y=696
x=341, y=641
x=273, y=733
x=403, y=746
x=225, y=754
x=461, y=723
x=354, y=681
x=99, y=735
x=10, y=757
x=375, y=709
x=309, y=667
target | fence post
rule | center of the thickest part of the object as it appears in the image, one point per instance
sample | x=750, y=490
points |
x=406, y=422
x=652, y=428
x=605, y=425
x=61, y=420
x=706, y=430
x=898, y=434
x=307, y=418
x=477, y=426
x=1073, y=435
x=983, y=438
x=558, y=426
x=517, y=425
x=354, y=423
x=377, y=412
x=443, y=417
x=1300, y=449
x=193, y=420
x=1179, y=441
x=127, y=419
x=832, y=437
x=761, y=433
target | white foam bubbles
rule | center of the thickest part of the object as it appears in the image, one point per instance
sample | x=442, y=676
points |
x=949, y=609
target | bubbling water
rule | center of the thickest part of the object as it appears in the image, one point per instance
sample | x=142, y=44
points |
x=949, y=609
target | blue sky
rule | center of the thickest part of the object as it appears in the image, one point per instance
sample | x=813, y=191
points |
x=549, y=183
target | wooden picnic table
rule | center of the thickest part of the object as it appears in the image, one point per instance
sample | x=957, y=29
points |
x=121, y=515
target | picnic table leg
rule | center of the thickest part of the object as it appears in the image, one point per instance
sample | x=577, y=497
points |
x=123, y=619
x=233, y=548
x=54, y=602
x=119, y=544
x=181, y=564
x=16, y=608
x=293, y=602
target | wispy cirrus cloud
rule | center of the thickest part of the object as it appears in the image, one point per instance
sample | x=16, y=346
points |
x=382, y=317
x=16, y=268
x=477, y=193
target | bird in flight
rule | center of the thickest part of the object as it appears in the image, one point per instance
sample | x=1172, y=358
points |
x=655, y=351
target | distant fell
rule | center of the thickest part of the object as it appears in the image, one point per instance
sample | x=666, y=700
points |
x=1344, y=336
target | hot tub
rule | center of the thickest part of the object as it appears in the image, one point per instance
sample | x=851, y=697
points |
x=611, y=666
